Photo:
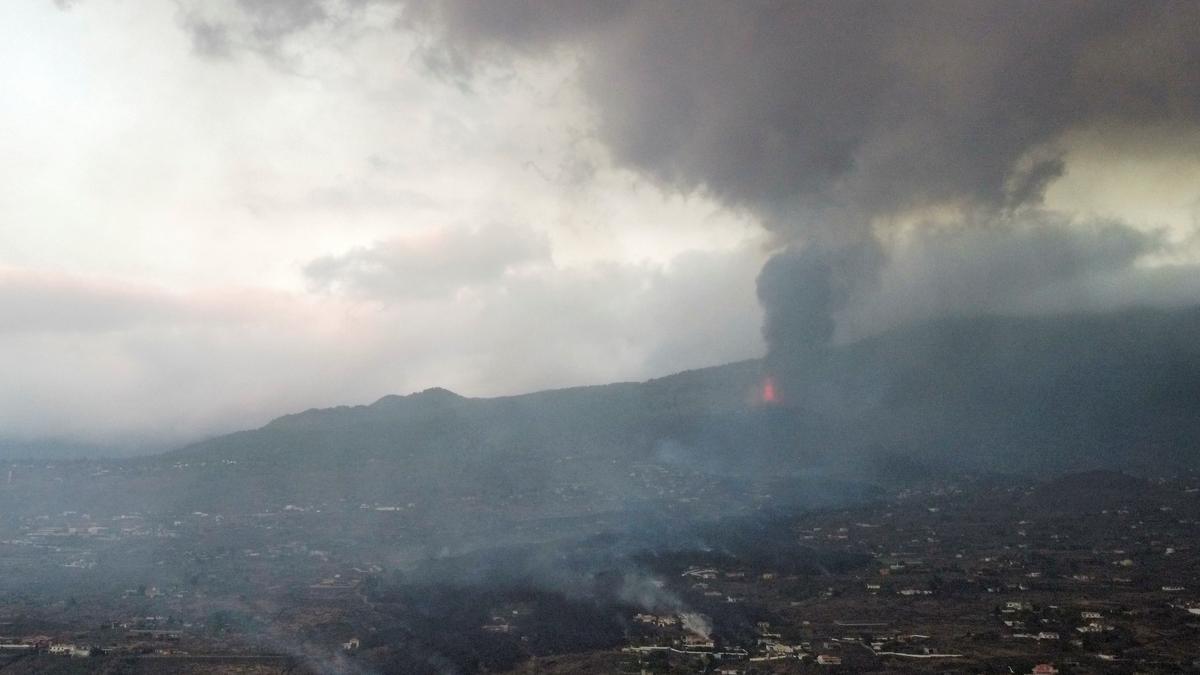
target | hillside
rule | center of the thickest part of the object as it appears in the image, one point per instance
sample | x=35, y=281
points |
x=1074, y=391
x=1055, y=393
x=610, y=421
x=1040, y=395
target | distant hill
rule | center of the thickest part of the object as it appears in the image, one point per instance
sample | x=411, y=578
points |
x=1066, y=392
x=609, y=421
x=1021, y=395
x=436, y=446
x=1055, y=394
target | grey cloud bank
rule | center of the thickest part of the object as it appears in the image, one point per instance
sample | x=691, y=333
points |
x=794, y=108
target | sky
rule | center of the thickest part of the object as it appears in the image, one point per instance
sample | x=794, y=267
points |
x=193, y=243
x=216, y=212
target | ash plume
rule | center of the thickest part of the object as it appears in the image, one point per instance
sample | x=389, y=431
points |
x=850, y=129
x=843, y=124
x=797, y=109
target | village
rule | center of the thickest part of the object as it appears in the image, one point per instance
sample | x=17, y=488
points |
x=975, y=573
x=979, y=576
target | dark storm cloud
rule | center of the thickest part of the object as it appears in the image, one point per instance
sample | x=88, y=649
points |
x=866, y=107
x=1029, y=186
x=831, y=120
x=819, y=115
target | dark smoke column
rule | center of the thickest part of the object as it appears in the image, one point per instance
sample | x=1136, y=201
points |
x=801, y=292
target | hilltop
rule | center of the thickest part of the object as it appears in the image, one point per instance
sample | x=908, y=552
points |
x=1041, y=395
x=1058, y=394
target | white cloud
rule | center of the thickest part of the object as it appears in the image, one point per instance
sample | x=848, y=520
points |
x=433, y=263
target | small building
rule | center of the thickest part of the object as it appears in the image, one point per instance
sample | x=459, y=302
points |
x=69, y=649
x=654, y=619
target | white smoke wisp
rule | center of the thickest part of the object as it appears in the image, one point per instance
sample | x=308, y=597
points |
x=648, y=593
x=697, y=624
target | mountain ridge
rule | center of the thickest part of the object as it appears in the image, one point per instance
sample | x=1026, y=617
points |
x=987, y=392
x=1040, y=396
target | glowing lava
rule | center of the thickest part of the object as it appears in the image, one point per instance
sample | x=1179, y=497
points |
x=768, y=391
